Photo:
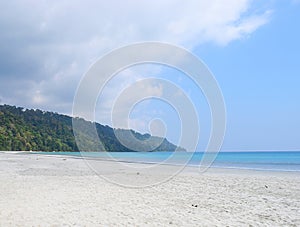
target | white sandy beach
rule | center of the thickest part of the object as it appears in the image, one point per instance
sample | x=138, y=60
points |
x=38, y=190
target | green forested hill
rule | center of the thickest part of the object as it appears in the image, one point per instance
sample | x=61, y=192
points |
x=24, y=130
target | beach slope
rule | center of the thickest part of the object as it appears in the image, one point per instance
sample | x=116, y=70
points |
x=39, y=190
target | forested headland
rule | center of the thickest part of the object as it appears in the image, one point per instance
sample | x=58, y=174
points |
x=36, y=130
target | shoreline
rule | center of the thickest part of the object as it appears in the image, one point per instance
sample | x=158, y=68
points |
x=53, y=154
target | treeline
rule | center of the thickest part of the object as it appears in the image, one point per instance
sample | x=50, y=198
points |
x=35, y=130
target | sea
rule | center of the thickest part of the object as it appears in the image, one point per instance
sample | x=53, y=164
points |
x=258, y=160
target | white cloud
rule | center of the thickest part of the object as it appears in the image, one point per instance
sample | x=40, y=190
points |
x=49, y=45
x=225, y=34
x=123, y=91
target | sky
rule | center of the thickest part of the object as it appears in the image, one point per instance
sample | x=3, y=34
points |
x=251, y=47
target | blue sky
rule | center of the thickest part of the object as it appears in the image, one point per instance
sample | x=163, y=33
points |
x=261, y=83
x=251, y=47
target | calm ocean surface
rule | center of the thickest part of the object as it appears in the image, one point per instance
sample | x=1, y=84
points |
x=274, y=161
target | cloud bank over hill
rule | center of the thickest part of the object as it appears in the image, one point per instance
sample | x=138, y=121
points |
x=46, y=46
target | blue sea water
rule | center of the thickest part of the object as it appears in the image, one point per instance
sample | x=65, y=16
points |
x=271, y=161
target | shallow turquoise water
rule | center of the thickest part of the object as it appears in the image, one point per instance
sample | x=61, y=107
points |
x=274, y=161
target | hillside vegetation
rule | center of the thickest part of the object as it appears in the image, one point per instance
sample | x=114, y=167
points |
x=35, y=130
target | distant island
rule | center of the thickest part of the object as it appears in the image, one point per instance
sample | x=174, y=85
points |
x=36, y=130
